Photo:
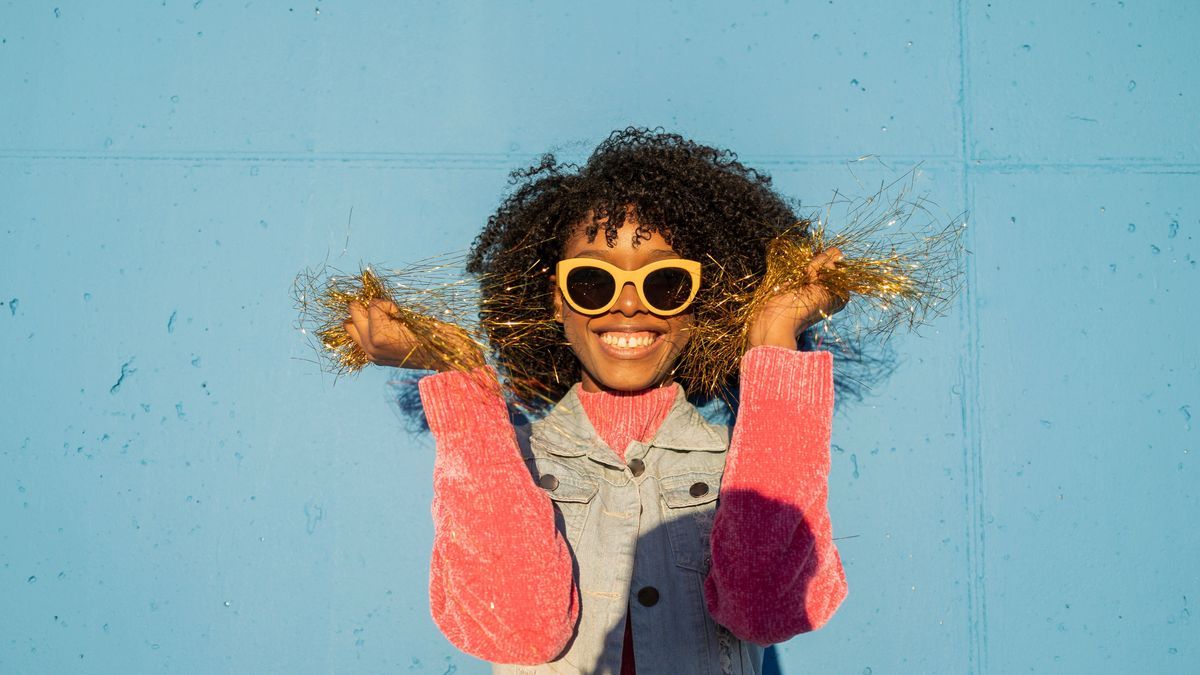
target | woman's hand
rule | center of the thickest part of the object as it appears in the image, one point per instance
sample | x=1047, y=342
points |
x=788, y=314
x=388, y=342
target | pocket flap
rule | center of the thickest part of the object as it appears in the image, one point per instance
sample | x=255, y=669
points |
x=562, y=482
x=690, y=489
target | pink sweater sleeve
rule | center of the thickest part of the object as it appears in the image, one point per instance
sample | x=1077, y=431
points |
x=775, y=571
x=501, y=586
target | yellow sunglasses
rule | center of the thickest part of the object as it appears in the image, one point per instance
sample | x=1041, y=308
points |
x=592, y=286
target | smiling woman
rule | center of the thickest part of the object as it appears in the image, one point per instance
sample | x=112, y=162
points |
x=598, y=545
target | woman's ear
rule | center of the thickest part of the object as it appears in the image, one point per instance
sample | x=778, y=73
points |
x=557, y=299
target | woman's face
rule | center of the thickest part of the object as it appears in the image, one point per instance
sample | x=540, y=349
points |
x=651, y=342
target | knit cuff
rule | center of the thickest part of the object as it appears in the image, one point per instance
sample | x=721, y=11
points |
x=461, y=403
x=785, y=376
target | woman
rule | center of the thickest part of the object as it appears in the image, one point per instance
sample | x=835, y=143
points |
x=591, y=540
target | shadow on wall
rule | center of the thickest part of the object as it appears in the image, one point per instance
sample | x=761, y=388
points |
x=771, y=662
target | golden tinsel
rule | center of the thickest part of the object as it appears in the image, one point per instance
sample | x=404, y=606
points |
x=900, y=267
x=433, y=302
x=894, y=272
x=440, y=306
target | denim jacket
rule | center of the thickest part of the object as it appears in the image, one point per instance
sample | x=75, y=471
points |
x=639, y=530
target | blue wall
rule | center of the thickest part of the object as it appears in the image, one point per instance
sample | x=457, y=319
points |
x=182, y=490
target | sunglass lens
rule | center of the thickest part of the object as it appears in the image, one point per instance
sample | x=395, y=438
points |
x=590, y=287
x=668, y=288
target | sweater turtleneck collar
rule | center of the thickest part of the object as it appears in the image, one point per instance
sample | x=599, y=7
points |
x=622, y=417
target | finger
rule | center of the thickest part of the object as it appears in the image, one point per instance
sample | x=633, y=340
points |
x=367, y=332
x=382, y=309
x=816, y=264
x=826, y=258
x=387, y=306
x=379, y=318
x=373, y=355
x=352, y=331
x=385, y=329
x=360, y=322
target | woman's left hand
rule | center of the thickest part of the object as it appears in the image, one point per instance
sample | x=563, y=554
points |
x=788, y=314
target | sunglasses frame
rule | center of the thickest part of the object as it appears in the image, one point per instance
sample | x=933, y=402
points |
x=621, y=277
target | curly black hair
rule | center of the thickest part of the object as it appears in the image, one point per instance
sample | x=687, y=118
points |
x=701, y=200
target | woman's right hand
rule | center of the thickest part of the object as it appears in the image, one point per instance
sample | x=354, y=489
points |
x=388, y=342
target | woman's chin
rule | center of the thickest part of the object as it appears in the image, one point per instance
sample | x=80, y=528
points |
x=626, y=382
x=602, y=372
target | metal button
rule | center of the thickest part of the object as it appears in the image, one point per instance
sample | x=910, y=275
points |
x=637, y=467
x=698, y=489
x=548, y=482
x=648, y=596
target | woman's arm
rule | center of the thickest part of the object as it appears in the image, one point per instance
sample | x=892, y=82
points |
x=775, y=570
x=501, y=579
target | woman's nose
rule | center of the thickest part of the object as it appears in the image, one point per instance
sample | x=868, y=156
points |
x=628, y=303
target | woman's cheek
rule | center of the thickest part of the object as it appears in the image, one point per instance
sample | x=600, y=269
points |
x=679, y=336
x=576, y=335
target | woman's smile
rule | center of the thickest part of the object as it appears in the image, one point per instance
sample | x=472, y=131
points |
x=629, y=343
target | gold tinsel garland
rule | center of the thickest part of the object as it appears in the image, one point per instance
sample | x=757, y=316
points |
x=894, y=273
x=430, y=303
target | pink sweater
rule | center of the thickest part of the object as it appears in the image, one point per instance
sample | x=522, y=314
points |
x=501, y=583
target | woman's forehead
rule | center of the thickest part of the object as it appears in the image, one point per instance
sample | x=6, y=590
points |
x=630, y=239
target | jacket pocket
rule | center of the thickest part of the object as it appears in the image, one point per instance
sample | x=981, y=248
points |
x=690, y=501
x=571, y=491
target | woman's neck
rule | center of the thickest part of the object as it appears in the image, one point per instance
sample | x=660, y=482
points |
x=621, y=417
x=592, y=385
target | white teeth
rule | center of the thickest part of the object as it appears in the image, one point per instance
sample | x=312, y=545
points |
x=627, y=340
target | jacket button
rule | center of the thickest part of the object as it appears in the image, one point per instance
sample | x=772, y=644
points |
x=699, y=489
x=637, y=467
x=548, y=482
x=648, y=596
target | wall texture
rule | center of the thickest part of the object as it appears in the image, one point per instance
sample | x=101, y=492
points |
x=182, y=490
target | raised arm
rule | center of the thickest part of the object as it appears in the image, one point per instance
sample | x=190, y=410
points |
x=501, y=577
x=501, y=580
x=775, y=570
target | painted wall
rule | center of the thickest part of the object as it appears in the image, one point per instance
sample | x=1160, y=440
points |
x=182, y=490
